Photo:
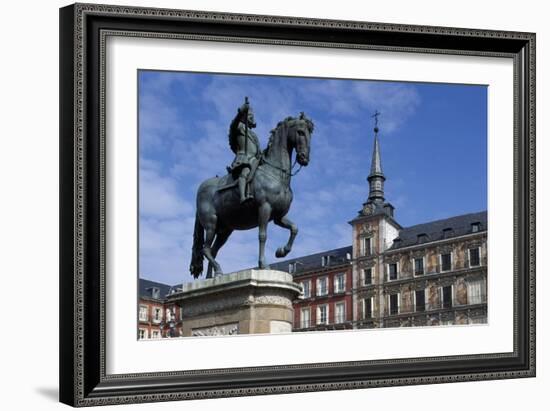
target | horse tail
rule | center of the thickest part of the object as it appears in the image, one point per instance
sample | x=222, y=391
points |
x=197, y=257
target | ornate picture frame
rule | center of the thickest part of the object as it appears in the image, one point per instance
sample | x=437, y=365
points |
x=84, y=29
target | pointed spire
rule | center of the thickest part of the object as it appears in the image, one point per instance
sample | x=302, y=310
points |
x=376, y=164
x=376, y=177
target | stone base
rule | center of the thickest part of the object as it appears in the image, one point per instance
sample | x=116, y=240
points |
x=245, y=302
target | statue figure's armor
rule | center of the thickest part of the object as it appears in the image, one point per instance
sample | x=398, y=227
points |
x=246, y=146
x=244, y=153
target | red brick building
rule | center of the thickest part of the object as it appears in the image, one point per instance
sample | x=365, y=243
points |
x=156, y=318
x=326, y=280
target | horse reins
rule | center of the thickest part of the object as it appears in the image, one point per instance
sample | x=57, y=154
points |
x=290, y=173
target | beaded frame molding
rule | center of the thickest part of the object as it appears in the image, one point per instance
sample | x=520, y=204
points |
x=83, y=32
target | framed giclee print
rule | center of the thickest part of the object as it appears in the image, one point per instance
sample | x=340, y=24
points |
x=259, y=204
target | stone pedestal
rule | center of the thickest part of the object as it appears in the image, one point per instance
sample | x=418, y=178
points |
x=245, y=302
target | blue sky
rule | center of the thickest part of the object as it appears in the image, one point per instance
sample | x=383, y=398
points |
x=433, y=140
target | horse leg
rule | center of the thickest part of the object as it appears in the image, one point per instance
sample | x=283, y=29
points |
x=289, y=225
x=207, y=251
x=219, y=241
x=264, y=214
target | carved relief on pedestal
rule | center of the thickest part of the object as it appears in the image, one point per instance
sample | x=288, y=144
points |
x=225, y=329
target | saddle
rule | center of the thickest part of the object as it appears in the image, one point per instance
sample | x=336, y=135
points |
x=233, y=182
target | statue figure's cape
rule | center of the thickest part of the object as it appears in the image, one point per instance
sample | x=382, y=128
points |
x=234, y=130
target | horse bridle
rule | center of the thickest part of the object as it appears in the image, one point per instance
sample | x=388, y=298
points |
x=289, y=173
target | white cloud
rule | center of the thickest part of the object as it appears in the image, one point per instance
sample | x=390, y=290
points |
x=158, y=121
x=397, y=102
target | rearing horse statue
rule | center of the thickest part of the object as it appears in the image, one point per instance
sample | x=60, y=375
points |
x=220, y=211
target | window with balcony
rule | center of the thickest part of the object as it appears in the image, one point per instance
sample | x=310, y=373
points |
x=476, y=292
x=339, y=283
x=473, y=257
x=305, y=318
x=367, y=276
x=340, y=312
x=393, y=304
x=306, y=286
x=392, y=271
x=322, y=286
x=447, y=296
x=143, y=315
x=157, y=314
x=322, y=314
x=419, y=266
x=367, y=308
x=420, y=300
x=446, y=262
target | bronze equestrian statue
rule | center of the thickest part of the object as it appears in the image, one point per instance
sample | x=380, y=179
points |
x=254, y=192
x=246, y=146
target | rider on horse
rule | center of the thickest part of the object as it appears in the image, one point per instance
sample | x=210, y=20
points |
x=246, y=146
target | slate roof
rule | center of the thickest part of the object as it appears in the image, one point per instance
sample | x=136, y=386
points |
x=338, y=256
x=434, y=230
x=146, y=286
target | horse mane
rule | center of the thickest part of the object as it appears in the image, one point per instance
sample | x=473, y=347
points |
x=285, y=121
x=274, y=131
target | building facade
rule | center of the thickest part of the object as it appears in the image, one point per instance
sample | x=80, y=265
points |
x=156, y=317
x=390, y=276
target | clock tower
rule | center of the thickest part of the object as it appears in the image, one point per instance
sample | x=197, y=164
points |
x=374, y=230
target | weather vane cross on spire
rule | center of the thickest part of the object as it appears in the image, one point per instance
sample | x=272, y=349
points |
x=375, y=116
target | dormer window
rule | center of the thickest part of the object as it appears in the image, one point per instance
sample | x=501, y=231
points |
x=325, y=260
x=155, y=292
x=476, y=227
x=397, y=242
x=422, y=238
x=447, y=232
x=292, y=268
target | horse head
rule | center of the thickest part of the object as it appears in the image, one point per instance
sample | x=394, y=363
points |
x=299, y=135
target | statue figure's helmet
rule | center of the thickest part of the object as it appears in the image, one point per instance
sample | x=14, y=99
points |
x=246, y=110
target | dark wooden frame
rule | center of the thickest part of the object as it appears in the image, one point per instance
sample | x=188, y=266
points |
x=83, y=29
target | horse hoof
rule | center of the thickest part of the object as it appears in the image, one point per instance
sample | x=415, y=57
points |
x=281, y=252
